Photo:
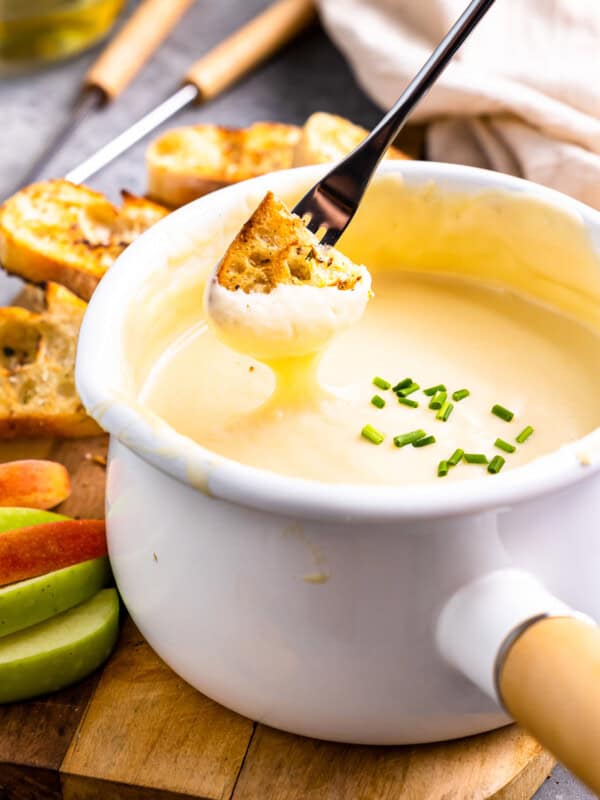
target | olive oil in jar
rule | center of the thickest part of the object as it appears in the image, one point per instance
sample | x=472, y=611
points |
x=36, y=32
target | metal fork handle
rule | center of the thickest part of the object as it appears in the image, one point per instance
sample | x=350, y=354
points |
x=381, y=137
x=348, y=180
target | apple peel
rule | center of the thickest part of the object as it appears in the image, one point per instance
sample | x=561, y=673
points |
x=59, y=651
x=39, y=549
x=30, y=602
x=11, y=517
x=33, y=483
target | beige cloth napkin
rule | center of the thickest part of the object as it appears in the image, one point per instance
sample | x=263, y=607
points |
x=522, y=95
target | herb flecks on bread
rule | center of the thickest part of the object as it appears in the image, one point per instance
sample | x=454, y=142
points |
x=37, y=360
x=186, y=163
x=57, y=231
x=326, y=137
x=275, y=247
x=279, y=294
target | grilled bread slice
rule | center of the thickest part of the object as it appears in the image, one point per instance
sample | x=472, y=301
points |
x=187, y=163
x=278, y=293
x=57, y=231
x=327, y=137
x=37, y=360
x=275, y=247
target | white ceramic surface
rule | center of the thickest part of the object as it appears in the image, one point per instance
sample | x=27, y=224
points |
x=211, y=556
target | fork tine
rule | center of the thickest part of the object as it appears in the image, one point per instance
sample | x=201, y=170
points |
x=315, y=224
x=325, y=213
x=309, y=211
x=334, y=200
x=331, y=236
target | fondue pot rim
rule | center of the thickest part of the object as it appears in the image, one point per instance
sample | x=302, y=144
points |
x=101, y=376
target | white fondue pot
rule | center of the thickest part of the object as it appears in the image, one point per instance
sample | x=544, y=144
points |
x=438, y=605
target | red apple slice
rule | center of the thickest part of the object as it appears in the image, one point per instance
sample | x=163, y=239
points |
x=38, y=549
x=33, y=483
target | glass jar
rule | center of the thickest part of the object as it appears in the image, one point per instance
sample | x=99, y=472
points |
x=36, y=32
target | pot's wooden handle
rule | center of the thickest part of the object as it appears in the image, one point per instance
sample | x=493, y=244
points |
x=550, y=684
x=137, y=40
x=251, y=44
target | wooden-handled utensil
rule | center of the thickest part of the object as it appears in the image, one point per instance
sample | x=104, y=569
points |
x=116, y=67
x=137, y=40
x=550, y=683
x=241, y=52
x=249, y=46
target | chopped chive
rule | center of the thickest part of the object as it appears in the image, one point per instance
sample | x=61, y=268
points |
x=460, y=394
x=443, y=468
x=402, y=384
x=444, y=411
x=496, y=464
x=506, y=446
x=433, y=389
x=406, y=401
x=502, y=412
x=372, y=434
x=408, y=438
x=377, y=401
x=381, y=383
x=438, y=400
x=412, y=387
x=475, y=458
x=456, y=457
x=524, y=435
x=424, y=442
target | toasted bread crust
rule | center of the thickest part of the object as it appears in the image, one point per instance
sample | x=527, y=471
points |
x=37, y=359
x=275, y=247
x=186, y=163
x=57, y=231
x=66, y=426
x=327, y=137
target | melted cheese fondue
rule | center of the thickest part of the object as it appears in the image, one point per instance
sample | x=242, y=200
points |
x=436, y=329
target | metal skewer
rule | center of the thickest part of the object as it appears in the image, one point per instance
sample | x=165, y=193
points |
x=252, y=44
x=185, y=96
x=85, y=104
x=114, y=69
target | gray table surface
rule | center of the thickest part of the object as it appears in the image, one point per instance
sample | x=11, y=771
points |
x=310, y=75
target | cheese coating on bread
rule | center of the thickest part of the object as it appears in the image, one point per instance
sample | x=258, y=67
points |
x=278, y=292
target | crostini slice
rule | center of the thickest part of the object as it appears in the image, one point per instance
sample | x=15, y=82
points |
x=327, y=137
x=37, y=363
x=278, y=292
x=186, y=163
x=58, y=231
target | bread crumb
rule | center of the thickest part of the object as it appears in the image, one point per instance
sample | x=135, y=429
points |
x=316, y=577
x=584, y=459
x=101, y=460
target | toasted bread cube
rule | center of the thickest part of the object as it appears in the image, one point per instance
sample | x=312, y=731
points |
x=187, y=163
x=37, y=362
x=327, y=137
x=278, y=293
x=275, y=247
x=57, y=231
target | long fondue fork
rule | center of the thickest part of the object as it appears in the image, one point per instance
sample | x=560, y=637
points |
x=334, y=200
x=114, y=69
x=218, y=69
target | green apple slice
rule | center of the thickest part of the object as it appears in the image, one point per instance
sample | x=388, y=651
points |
x=59, y=651
x=11, y=518
x=28, y=602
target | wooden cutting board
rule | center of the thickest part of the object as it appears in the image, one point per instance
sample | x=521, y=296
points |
x=135, y=730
